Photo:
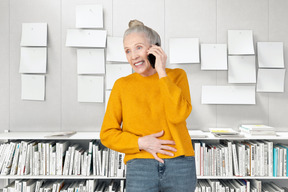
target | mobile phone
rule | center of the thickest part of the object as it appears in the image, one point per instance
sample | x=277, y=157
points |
x=152, y=58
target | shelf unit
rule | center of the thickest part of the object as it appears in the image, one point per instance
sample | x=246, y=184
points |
x=281, y=136
x=78, y=137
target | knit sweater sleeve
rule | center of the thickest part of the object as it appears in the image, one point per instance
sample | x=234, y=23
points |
x=111, y=133
x=176, y=96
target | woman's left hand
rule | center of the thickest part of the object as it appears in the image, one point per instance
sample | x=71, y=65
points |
x=161, y=58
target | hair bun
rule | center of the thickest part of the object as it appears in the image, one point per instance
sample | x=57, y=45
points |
x=135, y=22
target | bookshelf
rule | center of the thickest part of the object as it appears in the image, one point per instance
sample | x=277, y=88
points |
x=87, y=136
x=82, y=139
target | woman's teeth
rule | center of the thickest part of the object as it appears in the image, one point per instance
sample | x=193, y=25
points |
x=138, y=63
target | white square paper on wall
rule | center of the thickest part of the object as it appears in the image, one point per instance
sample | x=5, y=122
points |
x=34, y=34
x=90, y=61
x=184, y=50
x=89, y=16
x=240, y=42
x=228, y=94
x=33, y=87
x=90, y=88
x=270, y=54
x=86, y=38
x=242, y=69
x=33, y=60
x=213, y=57
x=116, y=71
x=115, y=49
x=271, y=80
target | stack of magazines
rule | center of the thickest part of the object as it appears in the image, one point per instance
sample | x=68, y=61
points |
x=257, y=130
x=224, y=132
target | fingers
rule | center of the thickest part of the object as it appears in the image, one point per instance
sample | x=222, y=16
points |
x=157, y=158
x=159, y=134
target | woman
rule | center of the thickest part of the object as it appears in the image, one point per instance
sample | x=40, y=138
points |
x=152, y=106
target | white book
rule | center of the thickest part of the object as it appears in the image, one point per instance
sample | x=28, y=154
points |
x=22, y=159
x=72, y=154
x=89, y=160
x=37, y=163
x=66, y=162
x=40, y=150
x=235, y=160
x=15, y=160
x=27, y=161
x=8, y=161
x=4, y=154
x=52, y=156
x=197, y=146
x=53, y=163
x=111, y=163
x=61, y=147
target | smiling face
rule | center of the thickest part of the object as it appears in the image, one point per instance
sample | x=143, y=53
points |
x=136, y=46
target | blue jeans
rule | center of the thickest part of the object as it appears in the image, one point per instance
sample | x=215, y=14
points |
x=148, y=175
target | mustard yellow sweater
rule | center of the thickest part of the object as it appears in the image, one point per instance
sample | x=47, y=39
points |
x=147, y=105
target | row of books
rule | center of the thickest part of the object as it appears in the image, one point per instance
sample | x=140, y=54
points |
x=237, y=185
x=65, y=186
x=245, y=158
x=60, y=158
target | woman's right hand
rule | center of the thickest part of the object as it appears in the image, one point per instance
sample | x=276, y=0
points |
x=153, y=145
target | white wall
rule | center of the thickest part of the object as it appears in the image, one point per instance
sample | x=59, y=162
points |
x=207, y=20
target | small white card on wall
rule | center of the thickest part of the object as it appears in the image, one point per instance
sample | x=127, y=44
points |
x=90, y=61
x=242, y=69
x=33, y=60
x=240, y=42
x=184, y=50
x=116, y=71
x=90, y=89
x=271, y=80
x=228, y=94
x=86, y=38
x=115, y=49
x=33, y=87
x=34, y=34
x=213, y=57
x=89, y=16
x=270, y=54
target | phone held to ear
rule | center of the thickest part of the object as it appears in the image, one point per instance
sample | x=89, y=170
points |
x=152, y=58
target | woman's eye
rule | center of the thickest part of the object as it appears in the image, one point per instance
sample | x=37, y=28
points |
x=127, y=51
x=139, y=47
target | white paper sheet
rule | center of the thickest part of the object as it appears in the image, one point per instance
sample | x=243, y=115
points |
x=86, y=38
x=107, y=95
x=115, y=50
x=240, y=42
x=184, y=50
x=33, y=87
x=34, y=34
x=228, y=94
x=271, y=80
x=115, y=71
x=213, y=57
x=33, y=60
x=242, y=69
x=270, y=54
x=89, y=16
x=90, y=88
x=90, y=61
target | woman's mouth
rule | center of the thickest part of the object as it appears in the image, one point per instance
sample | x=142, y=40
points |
x=138, y=63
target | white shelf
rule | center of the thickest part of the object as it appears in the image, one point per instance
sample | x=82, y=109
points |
x=279, y=136
x=96, y=135
x=234, y=177
x=43, y=136
x=56, y=177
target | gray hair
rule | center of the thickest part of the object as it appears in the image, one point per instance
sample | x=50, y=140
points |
x=136, y=26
